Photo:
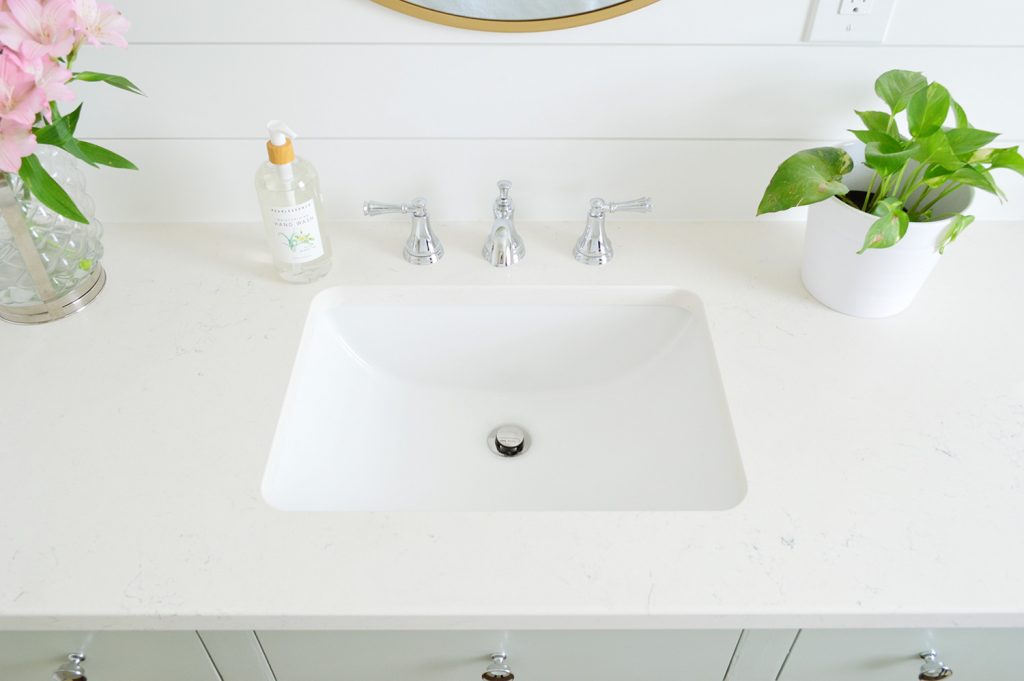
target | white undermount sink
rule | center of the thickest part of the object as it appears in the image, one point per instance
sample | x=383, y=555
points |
x=396, y=390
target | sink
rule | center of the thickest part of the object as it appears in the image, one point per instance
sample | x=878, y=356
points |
x=396, y=393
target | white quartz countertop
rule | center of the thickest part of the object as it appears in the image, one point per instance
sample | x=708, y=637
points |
x=884, y=458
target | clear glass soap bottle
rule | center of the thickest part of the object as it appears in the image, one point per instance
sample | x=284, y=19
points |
x=289, y=193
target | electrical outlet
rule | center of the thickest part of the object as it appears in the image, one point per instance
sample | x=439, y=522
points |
x=855, y=7
x=849, y=21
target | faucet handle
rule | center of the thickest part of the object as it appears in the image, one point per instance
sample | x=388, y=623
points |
x=594, y=247
x=418, y=207
x=503, y=206
x=641, y=205
x=422, y=247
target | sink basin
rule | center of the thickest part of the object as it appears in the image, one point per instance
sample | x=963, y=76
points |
x=396, y=392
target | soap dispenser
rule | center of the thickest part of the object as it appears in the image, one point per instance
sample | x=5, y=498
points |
x=289, y=194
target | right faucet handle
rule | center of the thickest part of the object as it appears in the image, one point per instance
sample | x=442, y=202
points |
x=641, y=205
x=594, y=247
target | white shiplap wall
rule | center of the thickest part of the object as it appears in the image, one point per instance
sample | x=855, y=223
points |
x=694, y=103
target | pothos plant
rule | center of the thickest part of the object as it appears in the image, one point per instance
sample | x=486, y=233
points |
x=39, y=43
x=913, y=171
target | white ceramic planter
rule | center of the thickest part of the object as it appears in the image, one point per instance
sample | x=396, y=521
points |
x=879, y=282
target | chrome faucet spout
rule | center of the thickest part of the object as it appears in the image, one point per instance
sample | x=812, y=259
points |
x=504, y=246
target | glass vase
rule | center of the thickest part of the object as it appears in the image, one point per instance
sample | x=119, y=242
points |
x=49, y=264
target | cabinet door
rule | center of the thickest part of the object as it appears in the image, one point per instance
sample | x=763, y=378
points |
x=110, y=655
x=892, y=654
x=533, y=655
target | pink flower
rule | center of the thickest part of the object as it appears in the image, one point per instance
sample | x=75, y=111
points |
x=20, y=99
x=38, y=28
x=100, y=23
x=51, y=77
x=16, y=142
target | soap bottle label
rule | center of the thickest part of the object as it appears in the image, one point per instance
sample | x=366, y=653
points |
x=296, y=238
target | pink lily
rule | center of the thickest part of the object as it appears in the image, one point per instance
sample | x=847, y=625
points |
x=16, y=142
x=38, y=28
x=20, y=99
x=51, y=77
x=100, y=24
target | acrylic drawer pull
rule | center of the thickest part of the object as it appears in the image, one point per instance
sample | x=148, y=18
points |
x=71, y=670
x=498, y=669
x=932, y=668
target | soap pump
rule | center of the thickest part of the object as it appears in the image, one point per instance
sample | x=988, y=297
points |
x=289, y=192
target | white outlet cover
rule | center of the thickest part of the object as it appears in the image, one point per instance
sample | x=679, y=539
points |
x=829, y=24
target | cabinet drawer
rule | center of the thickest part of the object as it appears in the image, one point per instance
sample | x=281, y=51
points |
x=532, y=655
x=110, y=655
x=892, y=654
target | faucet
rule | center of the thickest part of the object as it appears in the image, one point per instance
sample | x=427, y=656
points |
x=594, y=247
x=422, y=247
x=504, y=246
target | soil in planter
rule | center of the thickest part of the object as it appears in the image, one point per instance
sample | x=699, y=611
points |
x=855, y=198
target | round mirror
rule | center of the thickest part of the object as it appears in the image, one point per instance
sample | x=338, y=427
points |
x=515, y=15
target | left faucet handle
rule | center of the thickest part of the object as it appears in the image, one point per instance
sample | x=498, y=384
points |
x=422, y=247
x=417, y=207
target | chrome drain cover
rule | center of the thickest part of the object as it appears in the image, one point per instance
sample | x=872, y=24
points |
x=508, y=440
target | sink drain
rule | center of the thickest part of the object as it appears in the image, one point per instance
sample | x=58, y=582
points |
x=508, y=440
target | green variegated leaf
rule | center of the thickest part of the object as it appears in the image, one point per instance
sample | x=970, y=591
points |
x=936, y=176
x=976, y=176
x=1009, y=158
x=959, y=114
x=868, y=136
x=965, y=141
x=927, y=110
x=806, y=177
x=887, y=157
x=896, y=87
x=890, y=226
x=957, y=225
x=878, y=121
x=936, y=149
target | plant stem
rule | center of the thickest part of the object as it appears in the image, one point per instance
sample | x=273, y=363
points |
x=899, y=179
x=867, y=194
x=911, y=184
x=943, y=194
x=926, y=192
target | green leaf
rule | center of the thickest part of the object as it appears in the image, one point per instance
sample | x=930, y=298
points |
x=896, y=88
x=927, y=110
x=60, y=134
x=47, y=191
x=808, y=176
x=976, y=176
x=936, y=149
x=60, y=130
x=965, y=141
x=959, y=114
x=958, y=224
x=887, y=158
x=869, y=136
x=890, y=226
x=105, y=157
x=1007, y=158
x=878, y=121
x=116, y=81
x=936, y=176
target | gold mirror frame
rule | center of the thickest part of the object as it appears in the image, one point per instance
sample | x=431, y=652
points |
x=511, y=26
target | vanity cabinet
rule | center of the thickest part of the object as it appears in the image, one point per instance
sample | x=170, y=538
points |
x=532, y=655
x=893, y=654
x=109, y=655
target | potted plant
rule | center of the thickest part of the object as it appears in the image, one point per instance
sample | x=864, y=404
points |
x=886, y=207
x=49, y=241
